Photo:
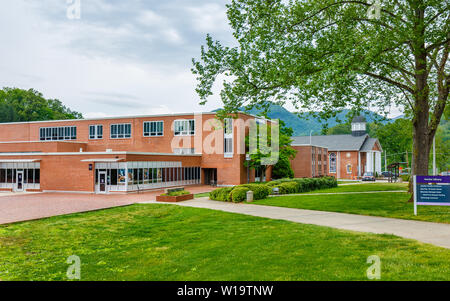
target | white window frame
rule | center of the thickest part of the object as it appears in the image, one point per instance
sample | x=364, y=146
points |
x=58, y=132
x=96, y=135
x=228, y=134
x=184, y=132
x=118, y=132
x=149, y=126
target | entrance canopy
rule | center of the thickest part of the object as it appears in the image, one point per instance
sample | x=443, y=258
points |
x=103, y=160
x=19, y=160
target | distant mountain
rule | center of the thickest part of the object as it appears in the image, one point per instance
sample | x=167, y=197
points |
x=302, y=125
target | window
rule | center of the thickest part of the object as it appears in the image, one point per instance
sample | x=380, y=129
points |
x=184, y=127
x=184, y=151
x=332, y=157
x=96, y=131
x=153, y=128
x=58, y=133
x=228, y=137
x=358, y=126
x=122, y=130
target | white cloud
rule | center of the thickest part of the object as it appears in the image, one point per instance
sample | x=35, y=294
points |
x=209, y=18
x=150, y=18
x=99, y=67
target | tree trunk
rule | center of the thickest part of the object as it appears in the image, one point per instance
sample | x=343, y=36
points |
x=421, y=136
x=421, y=139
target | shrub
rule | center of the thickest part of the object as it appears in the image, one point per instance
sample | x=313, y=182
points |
x=260, y=191
x=239, y=194
x=282, y=169
x=288, y=187
x=405, y=178
x=221, y=194
x=176, y=193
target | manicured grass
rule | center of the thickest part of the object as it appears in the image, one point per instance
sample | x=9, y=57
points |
x=365, y=187
x=201, y=195
x=347, y=182
x=167, y=242
x=385, y=204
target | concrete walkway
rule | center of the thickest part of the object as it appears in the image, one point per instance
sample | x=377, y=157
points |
x=433, y=233
x=17, y=207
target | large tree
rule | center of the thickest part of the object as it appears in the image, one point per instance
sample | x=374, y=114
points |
x=333, y=54
x=30, y=105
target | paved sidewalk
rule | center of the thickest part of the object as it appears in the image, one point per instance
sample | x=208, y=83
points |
x=433, y=233
x=17, y=207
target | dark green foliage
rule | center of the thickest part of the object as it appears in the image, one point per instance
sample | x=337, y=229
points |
x=282, y=169
x=262, y=191
x=239, y=194
x=221, y=194
x=288, y=188
x=29, y=105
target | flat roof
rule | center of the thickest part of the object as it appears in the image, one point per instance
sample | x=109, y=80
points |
x=126, y=117
x=102, y=160
x=99, y=153
x=20, y=160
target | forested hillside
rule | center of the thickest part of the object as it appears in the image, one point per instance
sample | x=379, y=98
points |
x=30, y=105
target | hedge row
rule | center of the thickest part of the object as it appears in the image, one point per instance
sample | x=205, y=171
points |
x=238, y=193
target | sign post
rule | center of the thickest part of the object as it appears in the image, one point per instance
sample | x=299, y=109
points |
x=431, y=190
x=415, y=194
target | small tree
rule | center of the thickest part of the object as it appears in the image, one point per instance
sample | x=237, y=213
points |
x=285, y=151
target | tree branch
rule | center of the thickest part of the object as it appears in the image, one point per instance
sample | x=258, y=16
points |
x=343, y=2
x=390, y=81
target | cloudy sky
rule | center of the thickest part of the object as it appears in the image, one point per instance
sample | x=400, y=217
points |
x=119, y=58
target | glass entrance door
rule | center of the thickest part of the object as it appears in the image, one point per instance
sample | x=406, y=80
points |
x=19, y=181
x=102, y=182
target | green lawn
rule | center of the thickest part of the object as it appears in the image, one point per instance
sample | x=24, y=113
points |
x=200, y=195
x=365, y=187
x=348, y=182
x=385, y=204
x=168, y=242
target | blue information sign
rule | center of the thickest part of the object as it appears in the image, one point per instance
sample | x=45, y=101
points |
x=431, y=190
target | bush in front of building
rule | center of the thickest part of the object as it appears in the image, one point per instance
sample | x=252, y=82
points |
x=236, y=193
x=260, y=191
x=239, y=194
x=289, y=186
x=221, y=194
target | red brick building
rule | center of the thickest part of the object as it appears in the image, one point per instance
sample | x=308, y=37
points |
x=349, y=156
x=124, y=154
x=310, y=161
